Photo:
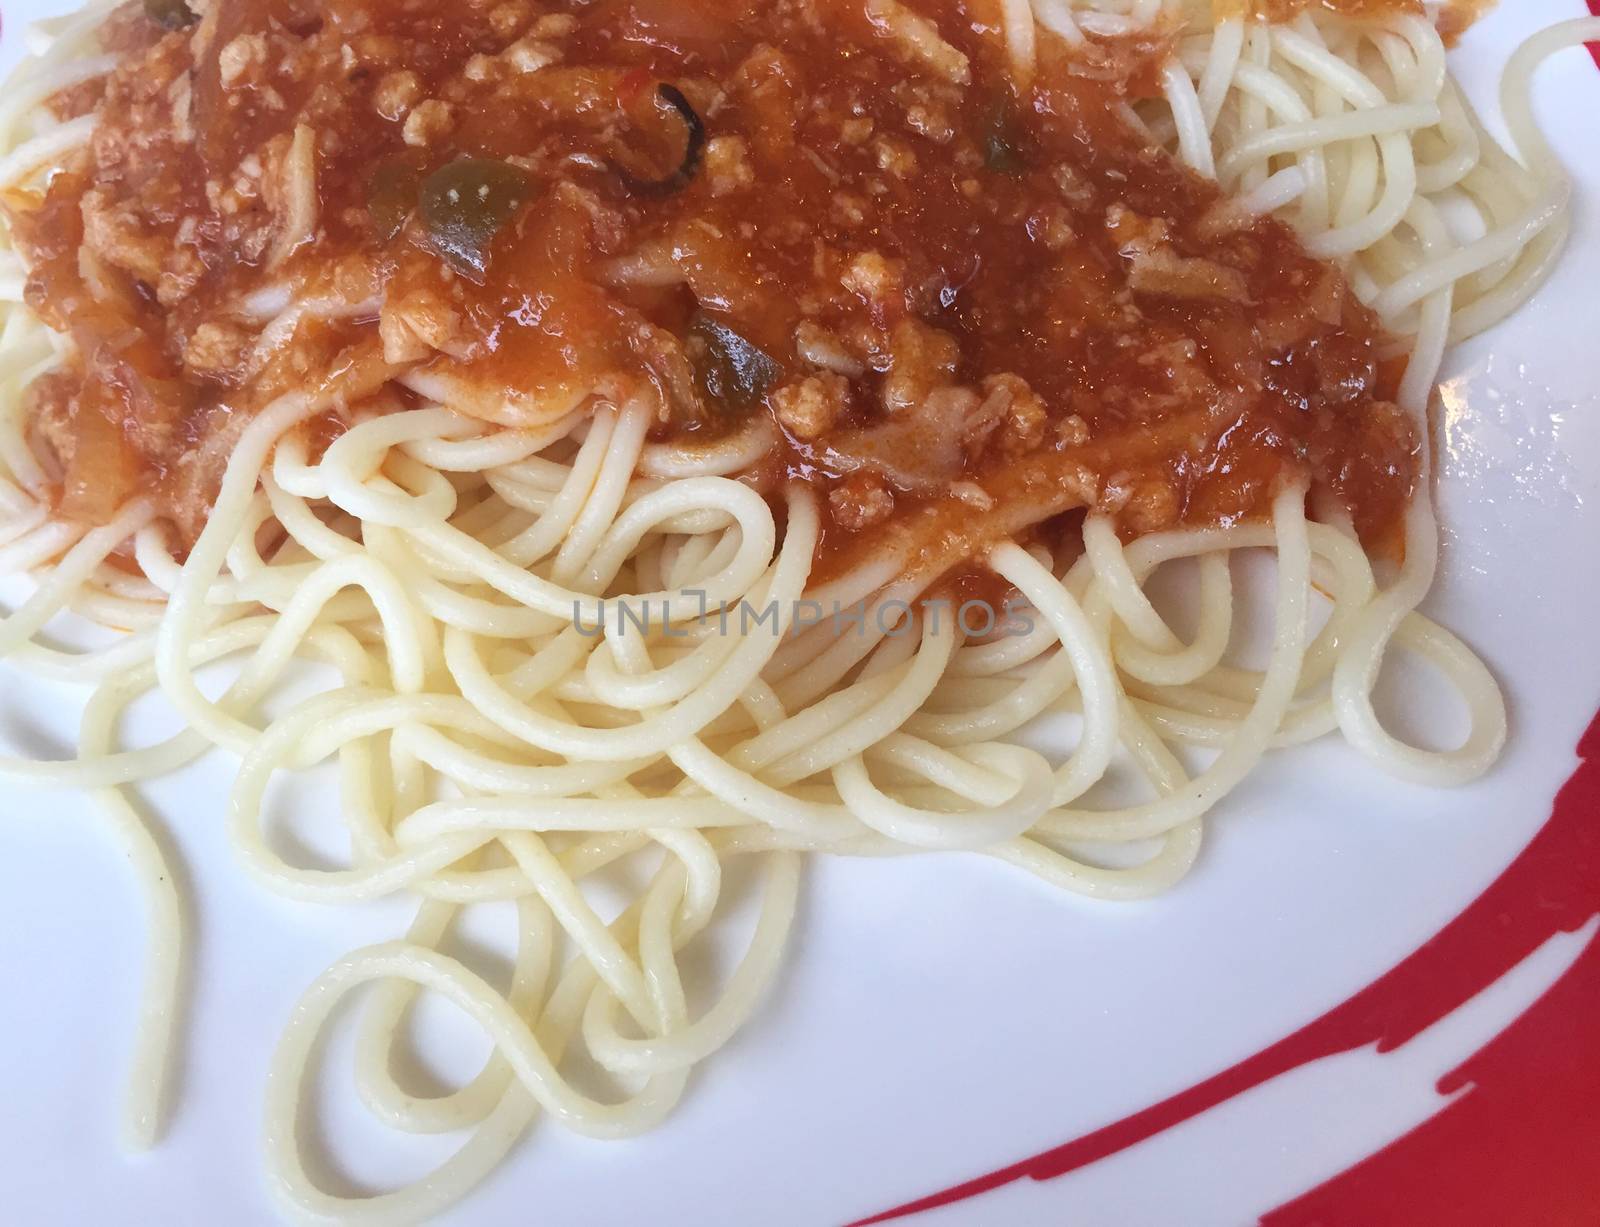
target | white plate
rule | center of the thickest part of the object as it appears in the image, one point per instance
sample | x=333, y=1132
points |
x=939, y=1017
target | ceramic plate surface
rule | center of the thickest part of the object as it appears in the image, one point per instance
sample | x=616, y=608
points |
x=1370, y=1002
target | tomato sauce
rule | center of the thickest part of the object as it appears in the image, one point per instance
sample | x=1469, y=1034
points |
x=1453, y=18
x=967, y=304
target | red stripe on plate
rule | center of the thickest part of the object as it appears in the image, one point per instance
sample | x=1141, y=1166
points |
x=1518, y=1148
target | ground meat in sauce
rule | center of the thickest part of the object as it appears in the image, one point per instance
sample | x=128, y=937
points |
x=961, y=305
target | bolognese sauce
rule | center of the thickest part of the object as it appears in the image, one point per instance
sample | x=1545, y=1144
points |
x=966, y=298
x=1452, y=18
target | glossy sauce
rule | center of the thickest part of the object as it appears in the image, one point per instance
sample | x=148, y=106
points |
x=1284, y=10
x=1454, y=17
x=1026, y=308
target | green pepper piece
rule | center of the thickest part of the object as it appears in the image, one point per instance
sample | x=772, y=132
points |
x=734, y=372
x=169, y=14
x=1001, y=146
x=392, y=196
x=464, y=205
x=693, y=149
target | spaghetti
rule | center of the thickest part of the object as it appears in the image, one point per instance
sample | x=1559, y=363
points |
x=529, y=691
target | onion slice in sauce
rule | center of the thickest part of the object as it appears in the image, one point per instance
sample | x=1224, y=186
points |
x=918, y=451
